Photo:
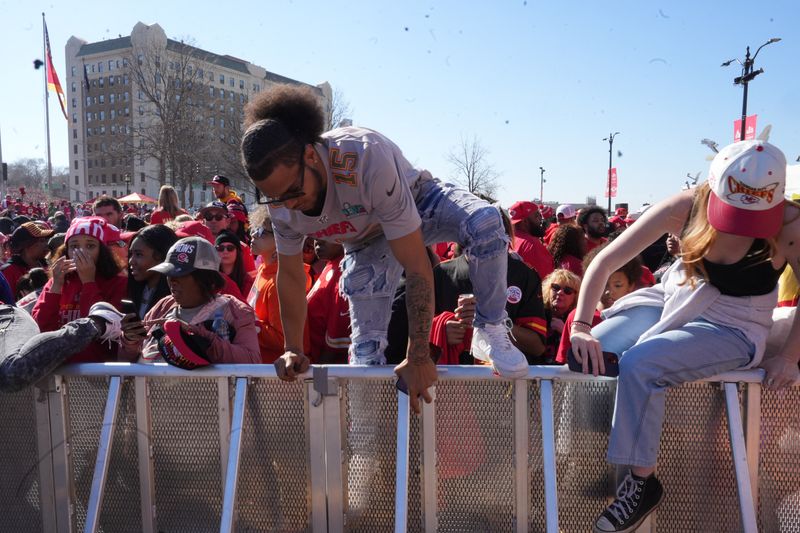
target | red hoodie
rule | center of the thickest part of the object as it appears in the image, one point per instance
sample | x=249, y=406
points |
x=54, y=310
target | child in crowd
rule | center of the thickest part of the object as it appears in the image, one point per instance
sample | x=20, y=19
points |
x=263, y=296
x=84, y=272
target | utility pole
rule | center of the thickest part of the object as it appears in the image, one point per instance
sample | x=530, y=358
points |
x=541, y=185
x=610, y=140
x=748, y=75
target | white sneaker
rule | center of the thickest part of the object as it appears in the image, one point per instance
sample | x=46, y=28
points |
x=491, y=342
x=113, y=319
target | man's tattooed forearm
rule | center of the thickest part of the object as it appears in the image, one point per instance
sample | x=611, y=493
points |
x=419, y=303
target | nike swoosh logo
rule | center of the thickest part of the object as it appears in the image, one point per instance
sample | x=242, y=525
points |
x=391, y=191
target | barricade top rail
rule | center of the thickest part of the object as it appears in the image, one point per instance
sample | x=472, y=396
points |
x=446, y=373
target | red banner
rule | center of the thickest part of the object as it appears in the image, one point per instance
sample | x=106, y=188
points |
x=52, y=78
x=611, y=184
x=749, y=131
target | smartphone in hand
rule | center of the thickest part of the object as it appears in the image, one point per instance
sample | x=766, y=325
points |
x=610, y=358
x=127, y=307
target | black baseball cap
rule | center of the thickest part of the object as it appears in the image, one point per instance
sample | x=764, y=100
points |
x=222, y=180
x=27, y=233
x=214, y=205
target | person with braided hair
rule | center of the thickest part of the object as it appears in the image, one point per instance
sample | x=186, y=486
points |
x=354, y=186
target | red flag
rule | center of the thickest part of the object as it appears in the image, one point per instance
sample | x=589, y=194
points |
x=750, y=129
x=52, y=78
x=611, y=184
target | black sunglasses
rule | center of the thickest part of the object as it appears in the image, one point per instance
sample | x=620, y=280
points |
x=567, y=290
x=215, y=217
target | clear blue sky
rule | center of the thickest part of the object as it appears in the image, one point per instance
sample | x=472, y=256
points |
x=539, y=83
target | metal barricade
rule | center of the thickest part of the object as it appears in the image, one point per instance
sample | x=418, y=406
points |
x=121, y=447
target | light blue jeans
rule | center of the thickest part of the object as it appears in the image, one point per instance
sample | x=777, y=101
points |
x=370, y=273
x=698, y=350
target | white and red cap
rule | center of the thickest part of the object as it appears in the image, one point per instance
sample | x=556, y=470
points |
x=747, y=181
x=95, y=227
x=565, y=212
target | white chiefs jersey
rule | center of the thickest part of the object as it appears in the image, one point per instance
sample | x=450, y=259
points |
x=369, y=193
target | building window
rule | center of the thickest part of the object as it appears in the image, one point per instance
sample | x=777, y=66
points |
x=73, y=70
x=74, y=148
x=111, y=98
x=74, y=102
x=211, y=121
x=222, y=93
x=200, y=73
x=102, y=115
x=221, y=124
x=241, y=84
x=126, y=96
x=141, y=110
x=124, y=61
x=114, y=179
x=113, y=129
x=103, y=178
x=102, y=99
x=211, y=92
x=74, y=118
x=110, y=65
x=102, y=130
x=222, y=78
x=127, y=112
x=76, y=180
x=74, y=133
x=100, y=67
x=100, y=81
x=143, y=191
x=76, y=164
x=90, y=163
x=93, y=68
x=124, y=79
x=88, y=100
x=231, y=82
x=74, y=86
x=241, y=99
x=141, y=177
x=111, y=81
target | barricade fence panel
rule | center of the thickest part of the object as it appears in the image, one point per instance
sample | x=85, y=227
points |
x=20, y=505
x=474, y=488
x=779, y=464
x=695, y=463
x=274, y=491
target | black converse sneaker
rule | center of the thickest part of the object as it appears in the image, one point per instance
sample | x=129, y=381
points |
x=637, y=497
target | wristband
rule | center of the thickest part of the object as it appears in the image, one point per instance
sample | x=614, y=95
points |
x=581, y=322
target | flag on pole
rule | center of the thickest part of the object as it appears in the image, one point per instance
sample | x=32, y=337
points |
x=52, y=78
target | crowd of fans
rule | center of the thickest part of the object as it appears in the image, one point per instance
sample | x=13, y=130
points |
x=60, y=261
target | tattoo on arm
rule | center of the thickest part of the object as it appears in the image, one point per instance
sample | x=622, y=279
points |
x=419, y=303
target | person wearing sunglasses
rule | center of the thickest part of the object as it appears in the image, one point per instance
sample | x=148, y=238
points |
x=215, y=217
x=263, y=296
x=354, y=186
x=560, y=294
x=232, y=262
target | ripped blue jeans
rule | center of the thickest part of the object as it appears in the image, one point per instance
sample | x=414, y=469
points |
x=370, y=273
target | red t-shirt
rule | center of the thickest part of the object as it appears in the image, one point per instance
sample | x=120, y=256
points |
x=160, y=216
x=591, y=245
x=566, y=343
x=534, y=253
x=328, y=317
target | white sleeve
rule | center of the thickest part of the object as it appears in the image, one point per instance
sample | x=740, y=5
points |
x=388, y=192
x=287, y=240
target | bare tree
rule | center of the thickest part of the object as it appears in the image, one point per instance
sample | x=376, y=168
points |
x=472, y=168
x=340, y=110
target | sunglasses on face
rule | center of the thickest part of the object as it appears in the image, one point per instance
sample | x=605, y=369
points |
x=295, y=191
x=566, y=290
x=209, y=217
x=226, y=247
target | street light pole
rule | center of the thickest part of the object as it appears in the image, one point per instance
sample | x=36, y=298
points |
x=541, y=185
x=127, y=183
x=610, y=140
x=748, y=75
